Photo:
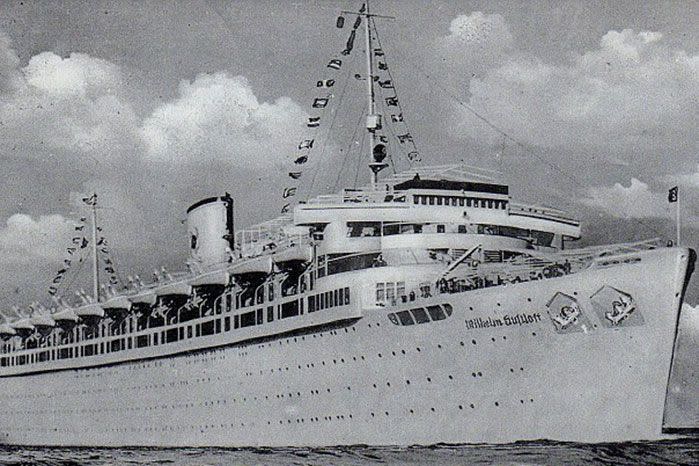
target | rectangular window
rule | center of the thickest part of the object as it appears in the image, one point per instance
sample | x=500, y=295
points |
x=171, y=335
x=236, y=321
x=347, y=295
x=322, y=300
x=380, y=292
x=290, y=309
x=270, y=313
x=439, y=200
x=141, y=341
x=405, y=318
x=229, y=299
x=461, y=201
x=270, y=292
x=420, y=315
x=336, y=300
x=440, y=228
x=328, y=299
x=259, y=317
x=197, y=330
x=390, y=292
x=226, y=323
x=130, y=342
x=189, y=331
x=436, y=313
x=431, y=199
x=462, y=229
x=102, y=345
x=207, y=328
x=311, y=303
x=468, y=202
x=400, y=289
x=247, y=319
x=341, y=296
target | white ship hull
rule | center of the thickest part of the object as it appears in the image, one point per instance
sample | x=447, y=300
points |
x=456, y=380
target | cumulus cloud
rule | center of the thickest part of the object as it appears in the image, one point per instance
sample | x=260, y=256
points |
x=633, y=93
x=634, y=201
x=218, y=117
x=475, y=43
x=24, y=240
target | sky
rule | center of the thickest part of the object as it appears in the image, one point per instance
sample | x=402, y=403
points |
x=155, y=105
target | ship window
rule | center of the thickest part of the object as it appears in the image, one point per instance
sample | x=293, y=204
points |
x=341, y=295
x=431, y=200
x=363, y=229
x=290, y=309
x=312, y=303
x=226, y=324
x=461, y=201
x=260, y=294
x=141, y=341
x=420, y=315
x=439, y=200
x=328, y=299
x=207, y=328
x=321, y=297
x=347, y=295
x=440, y=228
x=229, y=299
x=270, y=292
x=236, y=321
x=197, y=330
x=259, y=316
x=468, y=202
x=181, y=333
x=390, y=292
x=380, y=292
x=171, y=335
x=394, y=320
x=405, y=318
x=270, y=313
x=247, y=319
x=189, y=331
x=436, y=313
x=447, y=308
x=462, y=229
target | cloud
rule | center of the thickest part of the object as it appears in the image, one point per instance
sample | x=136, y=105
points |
x=475, y=43
x=218, y=117
x=634, y=93
x=634, y=201
x=24, y=240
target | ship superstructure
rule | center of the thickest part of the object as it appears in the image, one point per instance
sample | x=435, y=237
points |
x=426, y=307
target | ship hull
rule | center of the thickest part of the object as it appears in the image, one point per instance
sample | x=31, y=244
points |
x=481, y=375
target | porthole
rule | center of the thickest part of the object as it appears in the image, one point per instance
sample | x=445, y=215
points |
x=473, y=341
x=497, y=404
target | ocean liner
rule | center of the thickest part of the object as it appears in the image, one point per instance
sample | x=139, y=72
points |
x=426, y=307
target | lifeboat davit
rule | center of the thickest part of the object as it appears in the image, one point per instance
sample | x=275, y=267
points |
x=7, y=332
x=90, y=314
x=44, y=324
x=23, y=327
x=66, y=318
x=117, y=308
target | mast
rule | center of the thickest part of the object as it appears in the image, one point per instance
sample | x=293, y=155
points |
x=95, y=258
x=370, y=92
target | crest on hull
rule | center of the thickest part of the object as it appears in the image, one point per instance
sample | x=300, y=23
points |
x=567, y=314
x=615, y=308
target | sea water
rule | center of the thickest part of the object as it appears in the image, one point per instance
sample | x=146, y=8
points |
x=683, y=451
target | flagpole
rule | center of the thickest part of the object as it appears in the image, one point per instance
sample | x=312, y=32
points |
x=95, y=259
x=678, y=217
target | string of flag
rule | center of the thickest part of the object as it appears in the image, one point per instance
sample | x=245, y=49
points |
x=73, y=255
x=384, y=79
x=319, y=104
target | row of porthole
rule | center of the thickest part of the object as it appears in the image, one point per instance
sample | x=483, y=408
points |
x=329, y=418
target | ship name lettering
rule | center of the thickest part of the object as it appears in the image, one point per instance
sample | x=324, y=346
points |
x=505, y=321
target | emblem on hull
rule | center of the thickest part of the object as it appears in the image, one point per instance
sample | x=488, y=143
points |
x=566, y=314
x=615, y=307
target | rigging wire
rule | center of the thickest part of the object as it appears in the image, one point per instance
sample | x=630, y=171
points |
x=326, y=138
x=359, y=159
x=349, y=147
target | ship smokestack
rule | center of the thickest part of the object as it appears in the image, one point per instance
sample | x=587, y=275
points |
x=210, y=230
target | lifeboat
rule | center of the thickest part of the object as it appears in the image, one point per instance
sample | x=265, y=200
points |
x=257, y=265
x=298, y=253
x=182, y=288
x=146, y=298
x=90, y=314
x=66, y=318
x=23, y=327
x=44, y=324
x=117, y=308
x=217, y=278
x=7, y=332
